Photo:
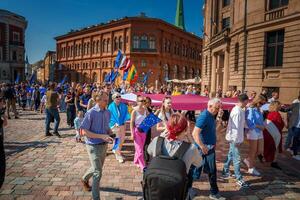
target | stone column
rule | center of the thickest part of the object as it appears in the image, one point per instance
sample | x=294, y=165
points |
x=213, y=73
x=226, y=71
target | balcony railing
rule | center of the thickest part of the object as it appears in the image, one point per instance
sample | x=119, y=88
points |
x=275, y=13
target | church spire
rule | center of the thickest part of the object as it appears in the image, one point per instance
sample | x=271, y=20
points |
x=179, y=19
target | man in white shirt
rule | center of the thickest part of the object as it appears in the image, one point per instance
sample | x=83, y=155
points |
x=235, y=137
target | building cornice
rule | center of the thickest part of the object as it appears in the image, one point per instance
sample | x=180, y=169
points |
x=123, y=21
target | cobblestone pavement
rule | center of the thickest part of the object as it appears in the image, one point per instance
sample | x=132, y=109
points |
x=51, y=168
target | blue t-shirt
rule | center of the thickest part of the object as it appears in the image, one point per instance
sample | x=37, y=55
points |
x=207, y=123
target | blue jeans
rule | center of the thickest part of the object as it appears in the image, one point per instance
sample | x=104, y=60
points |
x=233, y=155
x=52, y=113
x=209, y=167
x=97, y=154
x=289, y=138
x=296, y=140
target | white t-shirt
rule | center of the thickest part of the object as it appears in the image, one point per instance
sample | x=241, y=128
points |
x=191, y=156
x=236, y=125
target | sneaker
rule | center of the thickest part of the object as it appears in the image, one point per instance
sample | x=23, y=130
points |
x=260, y=158
x=246, y=162
x=57, y=134
x=253, y=172
x=275, y=165
x=242, y=184
x=191, y=194
x=290, y=151
x=216, y=197
x=119, y=158
x=225, y=175
x=48, y=134
x=297, y=157
x=86, y=185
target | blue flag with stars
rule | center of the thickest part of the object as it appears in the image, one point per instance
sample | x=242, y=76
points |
x=148, y=122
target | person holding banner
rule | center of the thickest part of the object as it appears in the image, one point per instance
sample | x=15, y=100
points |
x=164, y=113
x=255, y=123
x=138, y=115
x=119, y=116
x=273, y=134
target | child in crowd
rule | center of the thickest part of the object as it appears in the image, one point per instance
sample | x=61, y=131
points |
x=77, y=122
x=43, y=102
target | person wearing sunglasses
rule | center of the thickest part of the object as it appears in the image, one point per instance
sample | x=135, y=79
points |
x=138, y=115
x=119, y=116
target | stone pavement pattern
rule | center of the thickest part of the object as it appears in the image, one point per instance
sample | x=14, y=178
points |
x=51, y=168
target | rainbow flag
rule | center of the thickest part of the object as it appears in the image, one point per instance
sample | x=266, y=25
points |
x=132, y=75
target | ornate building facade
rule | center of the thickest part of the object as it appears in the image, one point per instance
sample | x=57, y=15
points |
x=251, y=45
x=12, y=46
x=87, y=55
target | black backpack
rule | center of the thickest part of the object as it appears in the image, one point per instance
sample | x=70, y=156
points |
x=165, y=177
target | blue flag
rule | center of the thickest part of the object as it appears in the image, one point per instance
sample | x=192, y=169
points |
x=64, y=80
x=118, y=59
x=32, y=78
x=17, y=78
x=148, y=122
x=107, y=77
x=125, y=75
x=113, y=76
x=146, y=77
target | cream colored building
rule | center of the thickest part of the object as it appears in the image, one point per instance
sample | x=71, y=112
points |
x=265, y=32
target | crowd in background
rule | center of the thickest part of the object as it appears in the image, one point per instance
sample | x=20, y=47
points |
x=86, y=103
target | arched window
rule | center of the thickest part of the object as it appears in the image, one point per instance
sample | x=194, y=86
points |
x=80, y=50
x=103, y=76
x=97, y=46
x=169, y=46
x=165, y=45
x=116, y=44
x=175, y=48
x=75, y=50
x=104, y=45
x=84, y=49
x=184, y=71
x=94, y=47
x=166, y=72
x=136, y=42
x=121, y=43
x=88, y=48
x=152, y=43
x=144, y=42
x=108, y=45
x=175, y=72
x=94, y=77
x=191, y=73
x=106, y=64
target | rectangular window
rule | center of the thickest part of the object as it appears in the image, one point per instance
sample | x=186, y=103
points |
x=274, y=48
x=143, y=63
x=273, y=4
x=226, y=23
x=16, y=37
x=236, y=56
x=226, y=3
x=14, y=56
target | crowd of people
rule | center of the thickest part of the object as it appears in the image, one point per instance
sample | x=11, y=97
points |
x=99, y=117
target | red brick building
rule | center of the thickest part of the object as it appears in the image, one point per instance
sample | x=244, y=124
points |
x=88, y=54
x=12, y=46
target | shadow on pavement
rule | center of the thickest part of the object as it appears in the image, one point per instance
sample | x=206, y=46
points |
x=121, y=191
x=16, y=147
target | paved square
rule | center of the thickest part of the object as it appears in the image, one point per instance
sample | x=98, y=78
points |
x=51, y=168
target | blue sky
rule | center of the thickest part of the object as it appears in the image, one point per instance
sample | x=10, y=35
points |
x=50, y=18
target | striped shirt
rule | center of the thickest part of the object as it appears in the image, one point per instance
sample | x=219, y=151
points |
x=96, y=121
